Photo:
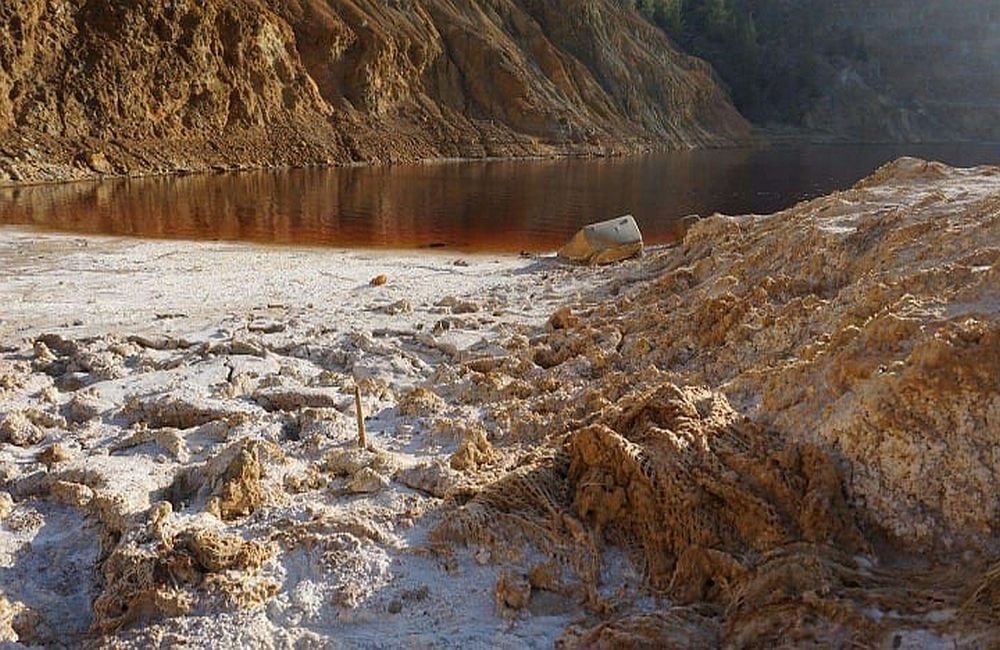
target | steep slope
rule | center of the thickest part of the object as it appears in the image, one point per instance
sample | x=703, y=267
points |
x=897, y=70
x=919, y=71
x=99, y=86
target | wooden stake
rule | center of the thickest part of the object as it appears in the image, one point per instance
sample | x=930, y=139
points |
x=362, y=437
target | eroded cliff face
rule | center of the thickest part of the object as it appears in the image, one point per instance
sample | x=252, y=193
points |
x=96, y=86
x=865, y=321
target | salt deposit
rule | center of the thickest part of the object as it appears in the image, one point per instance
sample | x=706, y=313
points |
x=781, y=431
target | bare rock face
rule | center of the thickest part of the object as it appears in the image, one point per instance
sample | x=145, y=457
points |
x=101, y=87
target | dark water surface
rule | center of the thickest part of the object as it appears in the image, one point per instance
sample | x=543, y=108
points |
x=487, y=206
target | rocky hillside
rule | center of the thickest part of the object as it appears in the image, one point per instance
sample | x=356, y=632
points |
x=896, y=70
x=102, y=86
x=924, y=71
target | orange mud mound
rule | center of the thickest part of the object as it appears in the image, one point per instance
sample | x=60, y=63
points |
x=789, y=423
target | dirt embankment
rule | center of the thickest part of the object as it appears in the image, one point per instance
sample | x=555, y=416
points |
x=790, y=426
x=99, y=87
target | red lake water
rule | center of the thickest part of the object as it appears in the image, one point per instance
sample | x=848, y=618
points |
x=473, y=206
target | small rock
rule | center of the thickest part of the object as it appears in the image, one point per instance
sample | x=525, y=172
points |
x=19, y=431
x=546, y=576
x=312, y=479
x=513, y=591
x=84, y=407
x=96, y=161
x=379, y=280
x=350, y=461
x=45, y=419
x=681, y=227
x=442, y=326
x=43, y=354
x=367, y=481
x=398, y=307
x=53, y=455
x=173, y=442
x=216, y=551
x=421, y=402
x=73, y=381
x=294, y=399
x=464, y=307
x=237, y=489
x=563, y=319
x=395, y=607
x=71, y=494
x=434, y=478
x=605, y=242
x=474, y=450
x=183, y=410
x=246, y=348
x=447, y=301
x=266, y=326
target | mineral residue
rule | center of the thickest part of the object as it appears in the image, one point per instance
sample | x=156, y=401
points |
x=779, y=433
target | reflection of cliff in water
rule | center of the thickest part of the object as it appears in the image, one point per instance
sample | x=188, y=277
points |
x=501, y=205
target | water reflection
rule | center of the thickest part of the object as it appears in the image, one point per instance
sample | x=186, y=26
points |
x=501, y=205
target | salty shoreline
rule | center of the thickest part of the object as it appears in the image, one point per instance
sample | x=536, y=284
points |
x=188, y=314
x=129, y=281
x=781, y=431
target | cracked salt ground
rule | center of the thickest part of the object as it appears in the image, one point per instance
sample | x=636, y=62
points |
x=179, y=430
